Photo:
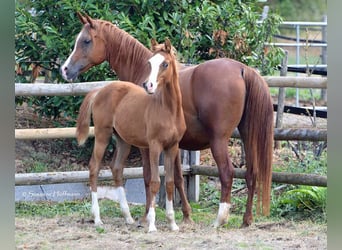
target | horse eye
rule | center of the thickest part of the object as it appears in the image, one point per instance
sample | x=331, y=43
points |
x=165, y=65
x=87, y=41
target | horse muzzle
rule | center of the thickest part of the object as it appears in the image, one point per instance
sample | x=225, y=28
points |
x=148, y=86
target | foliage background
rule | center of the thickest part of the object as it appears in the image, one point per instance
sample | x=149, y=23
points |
x=200, y=30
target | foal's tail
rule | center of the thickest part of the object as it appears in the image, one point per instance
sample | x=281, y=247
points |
x=83, y=120
x=256, y=129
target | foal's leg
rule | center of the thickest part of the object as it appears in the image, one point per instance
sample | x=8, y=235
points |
x=154, y=185
x=102, y=136
x=169, y=164
x=145, y=156
x=179, y=183
x=117, y=165
x=218, y=147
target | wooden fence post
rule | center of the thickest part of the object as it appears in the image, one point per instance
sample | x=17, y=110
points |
x=193, y=181
x=281, y=97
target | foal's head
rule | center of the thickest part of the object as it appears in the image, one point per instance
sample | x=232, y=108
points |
x=163, y=65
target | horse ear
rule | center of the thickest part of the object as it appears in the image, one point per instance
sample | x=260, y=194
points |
x=154, y=44
x=168, y=46
x=90, y=21
x=82, y=18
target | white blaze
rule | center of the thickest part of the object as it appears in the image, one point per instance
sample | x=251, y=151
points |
x=152, y=83
x=67, y=62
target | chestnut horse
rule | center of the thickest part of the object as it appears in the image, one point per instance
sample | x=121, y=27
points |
x=218, y=96
x=151, y=119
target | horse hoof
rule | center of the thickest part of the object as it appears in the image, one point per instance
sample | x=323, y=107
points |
x=245, y=224
x=130, y=220
x=216, y=224
x=174, y=227
x=152, y=229
x=98, y=223
x=188, y=221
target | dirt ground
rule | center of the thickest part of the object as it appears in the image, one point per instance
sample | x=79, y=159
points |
x=71, y=233
x=75, y=233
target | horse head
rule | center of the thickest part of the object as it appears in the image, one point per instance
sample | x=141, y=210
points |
x=89, y=49
x=162, y=62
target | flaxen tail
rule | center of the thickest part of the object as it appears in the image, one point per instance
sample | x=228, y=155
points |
x=84, y=116
x=256, y=129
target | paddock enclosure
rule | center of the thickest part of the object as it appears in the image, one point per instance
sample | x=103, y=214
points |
x=190, y=160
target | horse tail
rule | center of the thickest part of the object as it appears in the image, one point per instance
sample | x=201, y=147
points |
x=256, y=130
x=83, y=120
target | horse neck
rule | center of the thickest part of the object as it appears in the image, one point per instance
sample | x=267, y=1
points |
x=126, y=55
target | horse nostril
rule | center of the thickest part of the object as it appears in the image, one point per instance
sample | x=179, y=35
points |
x=65, y=68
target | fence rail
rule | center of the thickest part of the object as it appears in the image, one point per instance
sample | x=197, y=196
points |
x=48, y=89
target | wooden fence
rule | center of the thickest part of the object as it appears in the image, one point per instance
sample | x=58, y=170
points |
x=191, y=168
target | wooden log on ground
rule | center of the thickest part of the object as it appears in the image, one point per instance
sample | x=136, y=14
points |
x=287, y=178
x=59, y=133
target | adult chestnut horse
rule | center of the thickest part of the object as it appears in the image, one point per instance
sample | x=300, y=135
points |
x=218, y=96
x=152, y=119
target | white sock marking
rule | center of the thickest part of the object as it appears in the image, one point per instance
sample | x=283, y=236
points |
x=151, y=218
x=95, y=209
x=118, y=195
x=170, y=215
x=222, y=215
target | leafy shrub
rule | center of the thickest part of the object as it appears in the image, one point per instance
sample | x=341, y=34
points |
x=304, y=201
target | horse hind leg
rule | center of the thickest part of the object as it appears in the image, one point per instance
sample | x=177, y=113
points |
x=251, y=184
x=226, y=171
x=102, y=136
x=117, y=165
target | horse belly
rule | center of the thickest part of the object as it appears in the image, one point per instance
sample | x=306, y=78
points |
x=195, y=138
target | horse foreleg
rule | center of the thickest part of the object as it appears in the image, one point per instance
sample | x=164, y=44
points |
x=147, y=178
x=179, y=183
x=251, y=184
x=154, y=185
x=169, y=164
x=117, y=165
x=226, y=172
x=101, y=141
